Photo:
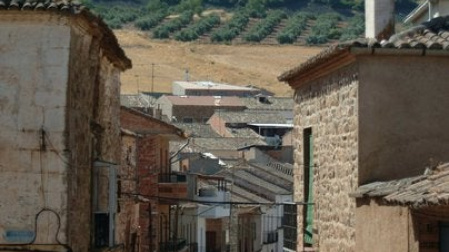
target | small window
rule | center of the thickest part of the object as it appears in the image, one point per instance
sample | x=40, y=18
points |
x=104, y=203
x=187, y=120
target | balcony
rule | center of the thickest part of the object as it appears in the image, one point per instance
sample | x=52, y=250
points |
x=172, y=178
x=173, y=245
x=172, y=185
x=270, y=237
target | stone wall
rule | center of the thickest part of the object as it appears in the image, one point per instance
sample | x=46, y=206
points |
x=59, y=104
x=33, y=165
x=329, y=106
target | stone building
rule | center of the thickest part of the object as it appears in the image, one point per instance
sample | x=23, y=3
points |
x=59, y=106
x=365, y=111
x=156, y=184
x=414, y=210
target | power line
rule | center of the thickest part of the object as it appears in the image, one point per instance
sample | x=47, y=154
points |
x=206, y=202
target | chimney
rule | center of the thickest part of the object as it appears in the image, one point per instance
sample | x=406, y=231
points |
x=379, y=19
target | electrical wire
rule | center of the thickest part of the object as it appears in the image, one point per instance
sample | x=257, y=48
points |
x=35, y=225
x=205, y=202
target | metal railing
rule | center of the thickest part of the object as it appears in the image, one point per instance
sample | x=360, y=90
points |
x=172, y=178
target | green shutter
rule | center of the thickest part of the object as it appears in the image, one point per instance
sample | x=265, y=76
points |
x=308, y=235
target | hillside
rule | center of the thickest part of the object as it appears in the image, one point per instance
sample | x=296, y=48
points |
x=245, y=64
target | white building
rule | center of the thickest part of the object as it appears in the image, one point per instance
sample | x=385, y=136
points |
x=208, y=88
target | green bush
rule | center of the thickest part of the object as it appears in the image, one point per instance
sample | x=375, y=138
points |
x=293, y=28
x=265, y=27
x=232, y=29
x=325, y=28
x=150, y=21
x=354, y=29
x=164, y=30
x=194, y=31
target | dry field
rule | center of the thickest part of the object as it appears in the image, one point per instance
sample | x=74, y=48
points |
x=156, y=64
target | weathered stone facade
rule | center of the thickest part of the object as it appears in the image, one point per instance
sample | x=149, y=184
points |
x=329, y=106
x=59, y=104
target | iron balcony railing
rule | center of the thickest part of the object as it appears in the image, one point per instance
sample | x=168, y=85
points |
x=172, y=178
x=270, y=237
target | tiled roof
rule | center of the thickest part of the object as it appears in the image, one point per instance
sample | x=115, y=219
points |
x=239, y=194
x=249, y=182
x=268, y=103
x=423, y=39
x=224, y=143
x=136, y=100
x=281, y=170
x=242, y=132
x=170, y=129
x=249, y=117
x=419, y=191
x=108, y=41
x=65, y=6
x=218, y=101
x=197, y=129
x=272, y=176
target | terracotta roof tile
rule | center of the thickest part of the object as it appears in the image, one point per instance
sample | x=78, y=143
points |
x=419, y=191
x=431, y=35
x=70, y=6
x=108, y=42
x=250, y=116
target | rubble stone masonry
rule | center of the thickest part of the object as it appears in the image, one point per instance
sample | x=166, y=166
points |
x=329, y=106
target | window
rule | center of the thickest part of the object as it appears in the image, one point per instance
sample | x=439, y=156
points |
x=104, y=203
x=289, y=224
x=187, y=120
x=444, y=236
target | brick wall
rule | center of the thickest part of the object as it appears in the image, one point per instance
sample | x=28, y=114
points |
x=127, y=226
x=152, y=158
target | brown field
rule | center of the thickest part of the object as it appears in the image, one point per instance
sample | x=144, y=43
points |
x=257, y=65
